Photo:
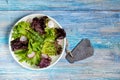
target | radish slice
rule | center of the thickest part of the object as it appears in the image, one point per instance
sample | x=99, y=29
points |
x=44, y=55
x=59, y=41
x=23, y=38
x=31, y=55
x=51, y=24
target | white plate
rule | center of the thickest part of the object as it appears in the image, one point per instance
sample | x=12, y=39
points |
x=55, y=59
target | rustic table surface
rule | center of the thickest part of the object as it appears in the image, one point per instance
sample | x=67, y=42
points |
x=97, y=20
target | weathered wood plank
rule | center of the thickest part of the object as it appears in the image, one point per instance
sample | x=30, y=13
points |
x=57, y=5
x=102, y=28
x=3, y=4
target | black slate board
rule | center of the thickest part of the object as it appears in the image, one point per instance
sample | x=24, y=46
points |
x=82, y=51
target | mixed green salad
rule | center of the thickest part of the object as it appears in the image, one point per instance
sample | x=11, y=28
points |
x=35, y=42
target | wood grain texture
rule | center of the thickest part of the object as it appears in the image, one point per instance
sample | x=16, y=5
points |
x=101, y=27
x=98, y=20
x=60, y=5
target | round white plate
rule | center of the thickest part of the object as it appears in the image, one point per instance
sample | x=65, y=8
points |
x=55, y=59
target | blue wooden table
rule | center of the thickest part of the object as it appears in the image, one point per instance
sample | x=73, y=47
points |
x=98, y=20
